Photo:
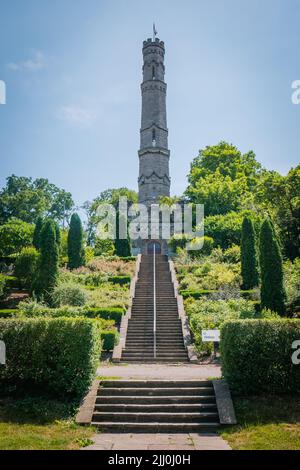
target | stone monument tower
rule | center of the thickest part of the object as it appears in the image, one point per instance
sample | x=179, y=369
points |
x=154, y=179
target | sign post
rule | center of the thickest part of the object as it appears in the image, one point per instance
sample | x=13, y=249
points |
x=212, y=336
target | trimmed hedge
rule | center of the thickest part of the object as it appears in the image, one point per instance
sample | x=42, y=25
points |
x=246, y=294
x=256, y=356
x=109, y=339
x=112, y=313
x=7, y=312
x=120, y=280
x=58, y=355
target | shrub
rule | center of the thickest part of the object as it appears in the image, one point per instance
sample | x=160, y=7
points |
x=122, y=246
x=57, y=355
x=7, y=312
x=2, y=286
x=211, y=314
x=76, y=251
x=89, y=254
x=292, y=285
x=37, y=232
x=109, y=339
x=273, y=295
x=47, y=274
x=15, y=235
x=115, y=314
x=69, y=294
x=120, y=280
x=256, y=356
x=249, y=263
x=207, y=246
x=26, y=266
x=232, y=254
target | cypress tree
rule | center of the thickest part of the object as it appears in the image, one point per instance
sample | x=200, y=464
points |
x=37, y=232
x=47, y=274
x=273, y=294
x=76, y=252
x=249, y=262
x=122, y=246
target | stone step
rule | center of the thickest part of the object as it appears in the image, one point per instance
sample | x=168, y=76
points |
x=145, y=400
x=162, y=408
x=158, y=359
x=135, y=417
x=128, y=427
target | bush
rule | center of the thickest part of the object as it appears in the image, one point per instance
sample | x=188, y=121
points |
x=195, y=294
x=56, y=355
x=7, y=312
x=256, y=356
x=232, y=254
x=115, y=314
x=273, y=294
x=76, y=251
x=69, y=294
x=207, y=246
x=26, y=266
x=120, y=280
x=15, y=235
x=47, y=275
x=89, y=254
x=2, y=286
x=31, y=309
x=292, y=285
x=249, y=262
x=109, y=339
x=211, y=314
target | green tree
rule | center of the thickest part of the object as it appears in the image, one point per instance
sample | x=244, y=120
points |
x=26, y=266
x=15, y=235
x=223, y=179
x=37, y=232
x=109, y=196
x=273, y=294
x=249, y=262
x=47, y=274
x=122, y=246
x=26, y=199
x=76, y=253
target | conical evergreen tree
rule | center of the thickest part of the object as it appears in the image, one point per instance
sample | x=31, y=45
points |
x=76, y=252
x=273, y=294
x=37, y=232
x=47, y=274
x=122, y=246
x=249, y=261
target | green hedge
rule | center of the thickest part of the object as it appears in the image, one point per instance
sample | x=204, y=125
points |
x=120, y=279
x=7, y=312
x=246, y=294
x=58, y=355
x=110, y=338
x=11, y=281
x=112, y=313
x=256, y=356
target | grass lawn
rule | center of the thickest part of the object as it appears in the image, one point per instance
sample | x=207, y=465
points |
x=40, y=424
x=265, y=423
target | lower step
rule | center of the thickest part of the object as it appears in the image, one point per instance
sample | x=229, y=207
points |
x=156, y=427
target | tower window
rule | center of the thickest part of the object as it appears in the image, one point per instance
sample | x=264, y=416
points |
x=153, y=137
x=153, y=72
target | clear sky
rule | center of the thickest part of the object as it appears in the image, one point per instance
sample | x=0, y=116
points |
x=73, y=70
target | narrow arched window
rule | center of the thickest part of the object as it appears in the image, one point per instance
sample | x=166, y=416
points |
x=153, y=137
x=153, y=72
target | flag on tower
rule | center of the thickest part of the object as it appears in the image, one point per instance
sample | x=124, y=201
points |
x=154, y=32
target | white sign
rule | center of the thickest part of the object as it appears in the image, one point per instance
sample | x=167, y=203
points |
x=211, y=335
x=2, y=353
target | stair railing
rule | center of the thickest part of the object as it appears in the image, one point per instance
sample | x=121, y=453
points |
x=154, y=303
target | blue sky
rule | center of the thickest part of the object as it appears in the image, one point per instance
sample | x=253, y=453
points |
x=73, y=70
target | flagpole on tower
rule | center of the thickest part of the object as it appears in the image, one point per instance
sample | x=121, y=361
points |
x=154, y=32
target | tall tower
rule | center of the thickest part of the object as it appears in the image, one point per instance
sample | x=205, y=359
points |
x=154, y=179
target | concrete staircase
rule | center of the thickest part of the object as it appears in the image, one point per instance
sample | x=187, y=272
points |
x=139, y=346
x=156, y=406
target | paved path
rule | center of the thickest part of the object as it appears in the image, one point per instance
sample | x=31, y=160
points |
x=187, y=442
x=160, y=371
x=107, y=441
